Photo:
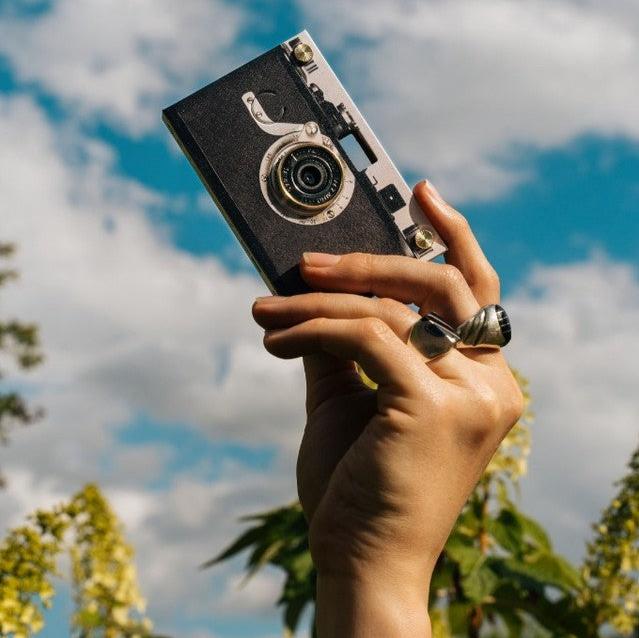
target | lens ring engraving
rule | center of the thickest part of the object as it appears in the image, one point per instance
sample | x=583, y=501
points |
x=270, y=190
x=307, y=177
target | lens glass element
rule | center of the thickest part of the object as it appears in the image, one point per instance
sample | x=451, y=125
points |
x=308, y=177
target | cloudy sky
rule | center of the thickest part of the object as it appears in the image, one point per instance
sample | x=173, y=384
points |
x=155, y=382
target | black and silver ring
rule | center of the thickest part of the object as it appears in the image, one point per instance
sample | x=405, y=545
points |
x=433, y=336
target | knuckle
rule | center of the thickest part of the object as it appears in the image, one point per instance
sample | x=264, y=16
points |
x=363, y=262
x=391, y=307
x=367, y=267
x=489, y=282
x=374, y=328
x=453, y=277
x=513, y=405
x=492, y=277
x=486, y=416
x=489, y=407
x=459, y=221
x=318, y=324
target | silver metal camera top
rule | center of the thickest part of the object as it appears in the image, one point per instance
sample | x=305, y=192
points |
x=382, y=172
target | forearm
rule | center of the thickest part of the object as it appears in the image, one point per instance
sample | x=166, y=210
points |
x=370, y=608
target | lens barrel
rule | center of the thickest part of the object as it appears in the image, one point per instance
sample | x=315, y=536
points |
x=307, y=177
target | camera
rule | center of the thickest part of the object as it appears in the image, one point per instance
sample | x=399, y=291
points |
x=293, y=166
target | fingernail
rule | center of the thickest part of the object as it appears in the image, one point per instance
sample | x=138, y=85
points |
x=320, y=260
x=434, y=192
x=269, y=299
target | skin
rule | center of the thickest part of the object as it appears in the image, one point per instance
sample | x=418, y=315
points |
x=382, y=475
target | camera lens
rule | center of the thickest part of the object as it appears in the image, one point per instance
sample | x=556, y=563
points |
x=311, y=176
x=307, y=178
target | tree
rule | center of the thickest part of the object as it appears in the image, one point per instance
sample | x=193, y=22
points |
x=20, y=346
x=611, y=568
x=108, y=603
x=498, y=574
x=107, y=599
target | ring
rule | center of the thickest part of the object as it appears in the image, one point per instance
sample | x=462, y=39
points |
x=433, y=336
x=490, y=326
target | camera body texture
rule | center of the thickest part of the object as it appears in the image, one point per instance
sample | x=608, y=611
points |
x=269, y=141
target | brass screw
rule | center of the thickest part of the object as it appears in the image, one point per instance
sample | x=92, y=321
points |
x=423, y=238
x=303, y=53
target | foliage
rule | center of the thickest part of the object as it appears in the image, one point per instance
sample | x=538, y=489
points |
x=612, y=565
x=498, y=574
x=20, y=345
x=108, y=601
x=279, y=538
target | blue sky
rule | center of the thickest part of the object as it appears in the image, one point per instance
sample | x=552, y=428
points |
x=524, y=115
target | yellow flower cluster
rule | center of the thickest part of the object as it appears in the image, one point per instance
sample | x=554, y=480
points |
x=108, y=600
x=611, y=570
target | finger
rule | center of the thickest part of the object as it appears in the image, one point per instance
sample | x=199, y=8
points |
x=320, y=369
x=432, y=287
x=464, y=251
x=369, y=341
x=284, y=312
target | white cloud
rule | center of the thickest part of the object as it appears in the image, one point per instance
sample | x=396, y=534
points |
x=122, y=61
x=124, y=313
x=131, y=326
x=574, y=336
x=259, y=593
x=455, y=87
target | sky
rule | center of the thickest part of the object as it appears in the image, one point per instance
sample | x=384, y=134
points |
x=156, y=385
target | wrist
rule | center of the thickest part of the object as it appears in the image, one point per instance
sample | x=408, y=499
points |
x=370, y=606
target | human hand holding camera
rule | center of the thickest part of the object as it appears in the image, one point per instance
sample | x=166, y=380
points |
x=383, y=474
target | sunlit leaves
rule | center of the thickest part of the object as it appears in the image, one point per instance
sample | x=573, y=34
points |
x=108, y=601
x=279, y=538
x=611, y=569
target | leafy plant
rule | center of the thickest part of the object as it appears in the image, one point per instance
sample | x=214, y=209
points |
x=107, y=598
x=498, y=574
x=20, y=346
x=611, y=569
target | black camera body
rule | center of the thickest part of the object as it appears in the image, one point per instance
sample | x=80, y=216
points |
x=268, y=142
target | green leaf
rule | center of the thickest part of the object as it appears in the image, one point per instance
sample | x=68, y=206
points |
x=243, y=542
x=262, y=555
x=480, y=582
x=442, y=576
x=548, y=568
x=292, y=614
x=562, y=618
x=506, y=529
x=534, y=531
x=301, y=566
x=458, y=616
x=463, y=553
x=512, y=621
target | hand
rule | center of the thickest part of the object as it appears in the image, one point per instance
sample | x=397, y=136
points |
x=382, y=475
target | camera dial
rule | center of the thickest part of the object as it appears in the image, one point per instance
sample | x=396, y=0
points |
x=307, y=178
